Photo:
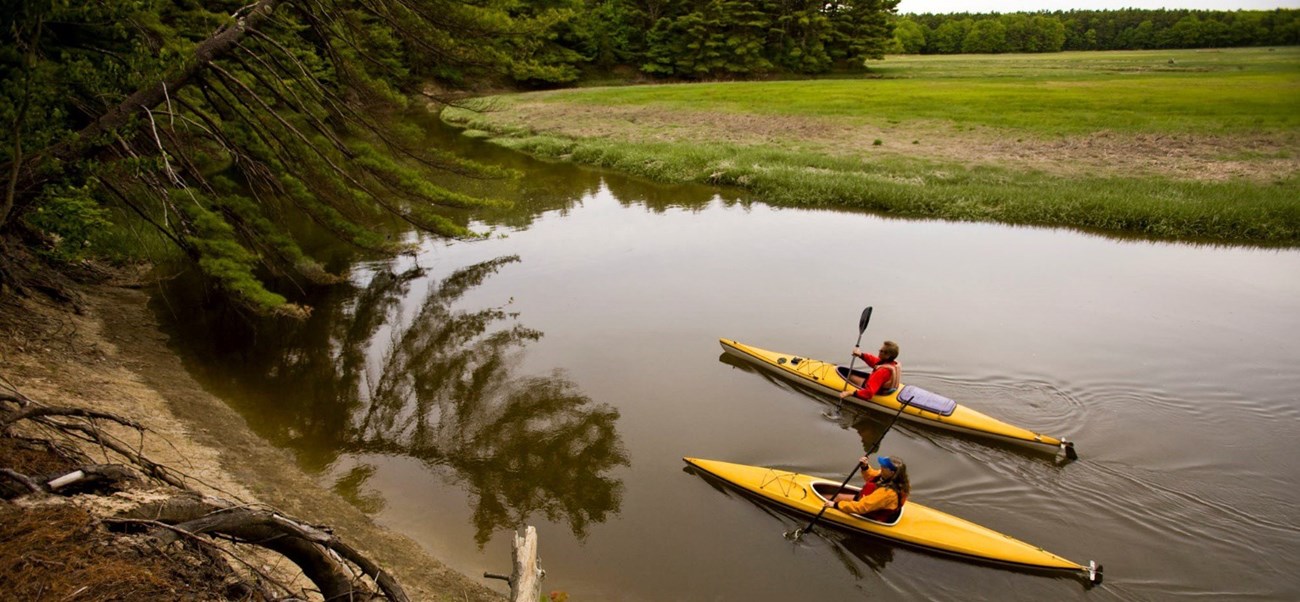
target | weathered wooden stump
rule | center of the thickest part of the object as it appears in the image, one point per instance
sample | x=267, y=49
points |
x=526, y=578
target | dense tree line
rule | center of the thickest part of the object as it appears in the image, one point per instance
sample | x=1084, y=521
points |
x=690, y=39
x=733, y=38
x=1127, y=29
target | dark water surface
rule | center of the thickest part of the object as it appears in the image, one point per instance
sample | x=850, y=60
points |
x=555, y=374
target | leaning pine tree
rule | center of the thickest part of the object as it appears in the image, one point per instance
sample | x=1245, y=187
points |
x=220, y=123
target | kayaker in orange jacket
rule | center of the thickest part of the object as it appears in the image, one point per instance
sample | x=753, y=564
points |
x=883, y=494
x=886, y=376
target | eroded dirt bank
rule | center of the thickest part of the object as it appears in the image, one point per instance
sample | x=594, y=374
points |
x=114, y=358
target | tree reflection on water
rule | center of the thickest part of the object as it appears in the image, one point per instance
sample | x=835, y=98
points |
x=368, y=375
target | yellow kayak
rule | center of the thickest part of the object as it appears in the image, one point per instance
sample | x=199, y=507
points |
x=922, y=406
x=917, y=524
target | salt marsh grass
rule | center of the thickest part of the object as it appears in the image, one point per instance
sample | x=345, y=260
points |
x=1197, y=145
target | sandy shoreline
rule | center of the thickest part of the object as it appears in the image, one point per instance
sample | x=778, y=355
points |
x=115, y=358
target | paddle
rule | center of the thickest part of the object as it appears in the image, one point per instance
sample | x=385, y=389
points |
x=797, y=533
x=862, y=327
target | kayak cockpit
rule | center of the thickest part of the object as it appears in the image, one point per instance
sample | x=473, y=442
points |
x=826, y=490
x=844, y=373
x=912, y=395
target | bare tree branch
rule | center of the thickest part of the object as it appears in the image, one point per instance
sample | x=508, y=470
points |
x=35, y=411
x=23, y=480
x=151, y=468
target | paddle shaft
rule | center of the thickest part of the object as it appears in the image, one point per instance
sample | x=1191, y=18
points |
x=812, y=522
x=875, y=446
x=862, y=327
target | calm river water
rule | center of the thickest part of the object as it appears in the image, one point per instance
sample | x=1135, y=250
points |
x=556, y=373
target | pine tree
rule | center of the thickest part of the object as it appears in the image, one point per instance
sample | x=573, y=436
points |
x=863, y=30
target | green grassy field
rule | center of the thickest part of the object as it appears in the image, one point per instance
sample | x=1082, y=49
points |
x=1197, y=145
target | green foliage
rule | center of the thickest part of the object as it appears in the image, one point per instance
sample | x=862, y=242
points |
x=54, y=58
x=745, y=38
x=949, y=36
x=72, y=221
x=985, y=37
x=543, y=42
x=1125, y=29
x=863, y=30
x=299, y=120
x=909, y=37
x=612, y=33
x=223, y=258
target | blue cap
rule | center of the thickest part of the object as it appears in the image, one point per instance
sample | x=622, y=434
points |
x=887, y=462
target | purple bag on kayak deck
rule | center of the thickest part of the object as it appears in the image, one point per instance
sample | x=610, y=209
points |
x=930, y=402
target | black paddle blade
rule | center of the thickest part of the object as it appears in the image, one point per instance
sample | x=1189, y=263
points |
x=1069, y=450
x=1094, y=573
x=864, y=320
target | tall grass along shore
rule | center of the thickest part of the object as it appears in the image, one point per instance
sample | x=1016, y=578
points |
x=1190, y=145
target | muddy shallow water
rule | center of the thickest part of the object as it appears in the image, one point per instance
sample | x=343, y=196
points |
x=556, y=372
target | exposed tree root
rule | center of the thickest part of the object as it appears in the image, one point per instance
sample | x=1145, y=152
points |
x=208, y=527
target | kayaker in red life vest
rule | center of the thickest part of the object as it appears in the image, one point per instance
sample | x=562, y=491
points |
x=886, y=376
x=884, y=493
